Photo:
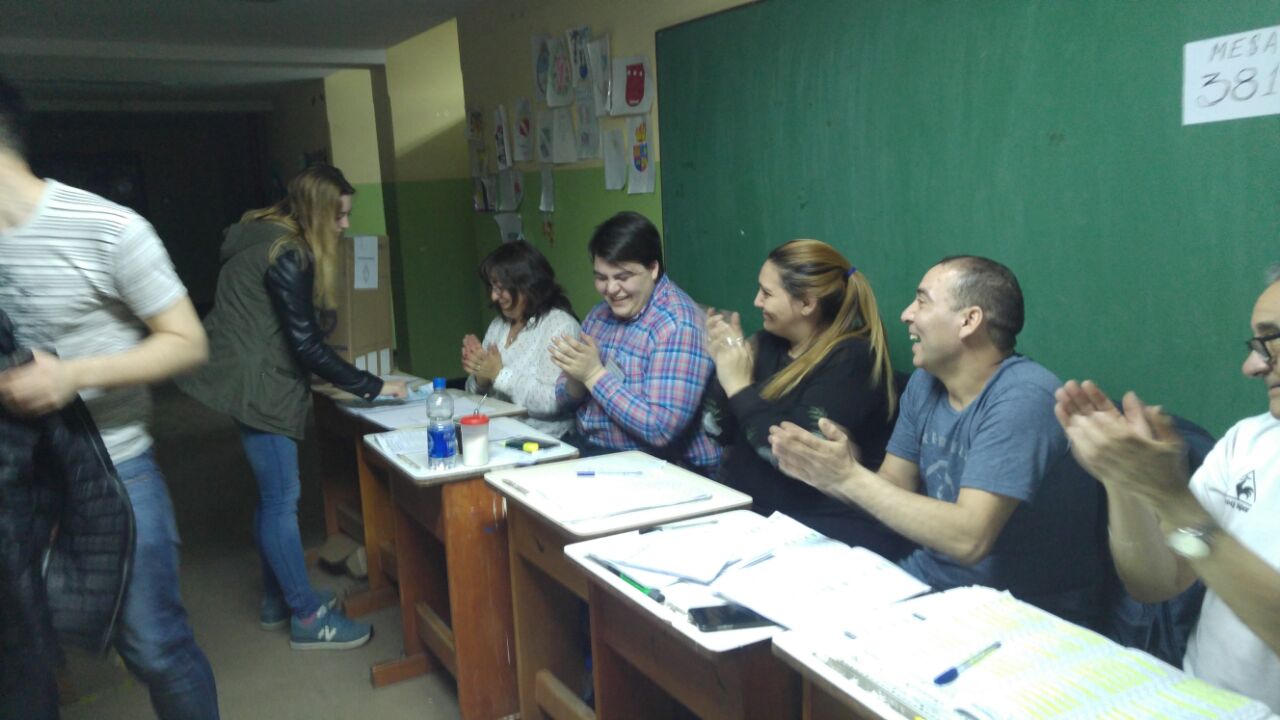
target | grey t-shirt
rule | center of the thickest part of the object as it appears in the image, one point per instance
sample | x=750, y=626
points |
x=1008, y=442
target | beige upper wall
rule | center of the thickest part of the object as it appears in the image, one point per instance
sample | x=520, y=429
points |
x=494, y=39
x=297, y=125
x=427, y=110
x=353, y=129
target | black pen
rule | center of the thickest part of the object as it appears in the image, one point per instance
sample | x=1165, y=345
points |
x=653, y=593
x=679, y=526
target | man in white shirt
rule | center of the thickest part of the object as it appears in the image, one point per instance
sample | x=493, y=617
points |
x=1222, y=527
x=93, y=293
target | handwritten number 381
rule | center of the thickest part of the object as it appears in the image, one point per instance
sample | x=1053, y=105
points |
x=1243, y=88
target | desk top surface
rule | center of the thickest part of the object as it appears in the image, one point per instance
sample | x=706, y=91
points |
x=707, y=644
x=531, y=489
x=399, y=414
x=413, y=465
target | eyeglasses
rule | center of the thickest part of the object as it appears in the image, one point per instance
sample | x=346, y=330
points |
x=1259, y=345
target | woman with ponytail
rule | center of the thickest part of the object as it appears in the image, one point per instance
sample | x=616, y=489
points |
x=278, y=266
x=822, y=353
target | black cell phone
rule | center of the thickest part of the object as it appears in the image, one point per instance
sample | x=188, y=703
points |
x=518, y=443
x=726, y=617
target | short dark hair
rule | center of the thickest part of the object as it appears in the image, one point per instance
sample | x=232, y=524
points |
x=627, y=237
x=13, y=119
x=993, y=287
x=520, y=269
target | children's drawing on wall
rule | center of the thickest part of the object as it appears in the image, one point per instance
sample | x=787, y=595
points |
x=584, y=111
x=547, y=203
x=475, y=124
x=544, y=136
x=564, y=148
x=476, y=154
x=501, y=138
x=510, y=226
x=632, y=91
x=541, y=55
x=510, y=191
x=640, y=170
x=577, y=39
x=615, y=160
x=560, y=77
x=601, y=76
x=522, y=131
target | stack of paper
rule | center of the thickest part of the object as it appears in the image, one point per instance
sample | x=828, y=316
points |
x=1045, y=666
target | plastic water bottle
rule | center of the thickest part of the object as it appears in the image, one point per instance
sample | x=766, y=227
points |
x=442, y=442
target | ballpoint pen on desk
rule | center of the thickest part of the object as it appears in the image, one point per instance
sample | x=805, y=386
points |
x=480, y=404
x=593, y=473
x=950, y=674
x=653, y=593
x=677, y=526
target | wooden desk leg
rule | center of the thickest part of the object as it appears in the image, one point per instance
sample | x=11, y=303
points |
x=551, y=634
x=476, y=552
x=379, y=531
x=422, y=580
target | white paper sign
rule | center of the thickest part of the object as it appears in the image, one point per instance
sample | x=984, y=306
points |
x=588, y=137
x=501, y=138
x=560, y=74
x=543, y=142
x=577, y=39
x=541, y=55
x=510, y=226
x=564, y=147
x=640, y=170
x=366, y=270
x=615, y=160
x=510, y=191
x=601, y=76
x=633, y=88
x=1231, y=77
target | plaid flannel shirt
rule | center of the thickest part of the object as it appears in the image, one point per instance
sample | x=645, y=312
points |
x=650, y=398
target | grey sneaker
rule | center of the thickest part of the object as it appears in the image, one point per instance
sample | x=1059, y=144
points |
x=328, y=630
x=275, y=613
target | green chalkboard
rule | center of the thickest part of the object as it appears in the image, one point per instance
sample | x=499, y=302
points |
x=1045, y=134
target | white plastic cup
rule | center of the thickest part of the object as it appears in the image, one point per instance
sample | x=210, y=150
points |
x=475, y=440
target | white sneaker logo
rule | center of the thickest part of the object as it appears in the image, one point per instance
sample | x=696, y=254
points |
x=327, y=633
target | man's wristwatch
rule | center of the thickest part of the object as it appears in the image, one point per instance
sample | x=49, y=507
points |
x=1193, y=542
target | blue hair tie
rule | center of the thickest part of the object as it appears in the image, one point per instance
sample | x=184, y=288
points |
x=852, y=269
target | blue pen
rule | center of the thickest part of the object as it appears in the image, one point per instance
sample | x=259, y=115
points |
x=593, y=473
x=951, y=674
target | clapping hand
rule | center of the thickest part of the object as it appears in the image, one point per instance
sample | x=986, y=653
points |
x=732, y=354
x=578, y=357
x=823, y=462
x=484, y=364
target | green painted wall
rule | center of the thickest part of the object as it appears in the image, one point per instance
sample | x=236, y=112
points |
x=1044, y=134
x=367, y=214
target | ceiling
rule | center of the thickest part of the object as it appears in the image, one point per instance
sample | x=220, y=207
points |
x=67, y=53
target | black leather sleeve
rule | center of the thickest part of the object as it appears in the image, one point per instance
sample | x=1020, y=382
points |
x=289, y=284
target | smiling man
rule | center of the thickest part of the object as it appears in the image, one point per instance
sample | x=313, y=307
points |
x=977, y=472
x=1220, y=527
x=638, y=371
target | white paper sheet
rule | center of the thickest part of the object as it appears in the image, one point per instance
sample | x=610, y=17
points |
x=366, y=254
x=615, y=160
x=577, y=39
x=588, y=136
x=560, y=74
x=601, y=75
x=640, y=170
x=510, y=190
x=544, y=139
x=633, y=86
x=564, y=148
x=1231, y=77
x=501, y=138
x=541, y=56
x=547, y=203
x=522, y=131
x=510, y=226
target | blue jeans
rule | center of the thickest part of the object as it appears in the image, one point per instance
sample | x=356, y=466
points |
x=155, y=638
x=275, y=524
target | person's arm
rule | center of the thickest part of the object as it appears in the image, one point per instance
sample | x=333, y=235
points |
x=176, y=344
x=532, y=384
x=1138, y=457
x=289, y=282
x=656, y=410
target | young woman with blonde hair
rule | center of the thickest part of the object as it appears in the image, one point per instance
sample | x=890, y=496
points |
x=822, y=353
x=279, y=266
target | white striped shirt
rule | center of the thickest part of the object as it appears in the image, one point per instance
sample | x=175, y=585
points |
x=77, y=278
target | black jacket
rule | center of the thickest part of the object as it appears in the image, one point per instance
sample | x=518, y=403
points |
x=55, y=473
x=264, y=340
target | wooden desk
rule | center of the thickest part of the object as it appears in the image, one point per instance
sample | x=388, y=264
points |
x=650, y=662
x=362, y=509
x=550, y=594
x=450, y=559
x=828, y=694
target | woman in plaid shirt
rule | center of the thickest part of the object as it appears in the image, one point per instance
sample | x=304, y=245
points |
x=638, y=371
